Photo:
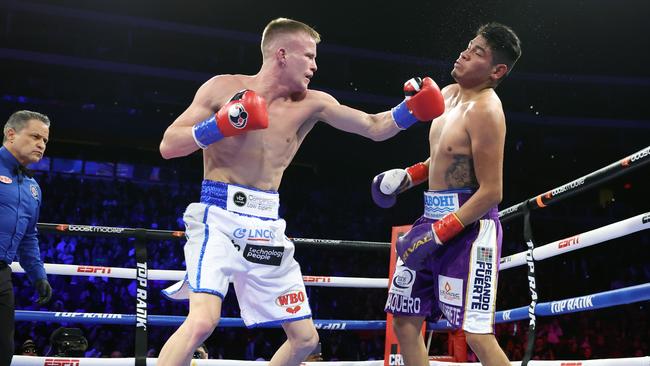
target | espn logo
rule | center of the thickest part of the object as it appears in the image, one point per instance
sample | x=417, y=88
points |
x=317, y=279
x=93, y=269
x=574, y=240
x=61, y=362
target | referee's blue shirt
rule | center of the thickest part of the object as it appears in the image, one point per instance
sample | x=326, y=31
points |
x=20, y=201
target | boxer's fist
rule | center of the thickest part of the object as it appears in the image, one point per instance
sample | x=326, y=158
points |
x=422, y=240
x=246, y=111
x=416, y=246
x=386, y=186
x=423, y=102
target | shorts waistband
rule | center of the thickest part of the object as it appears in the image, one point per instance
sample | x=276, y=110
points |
x=247, y=201
x=437, y=204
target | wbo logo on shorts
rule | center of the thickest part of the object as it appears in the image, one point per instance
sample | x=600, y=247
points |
x=291, y=301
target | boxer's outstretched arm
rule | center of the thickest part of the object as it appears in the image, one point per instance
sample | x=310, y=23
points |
x=178, y=140
x=423, y=102
x=377, y=127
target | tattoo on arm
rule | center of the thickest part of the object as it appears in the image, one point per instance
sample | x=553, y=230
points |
x=460, y=172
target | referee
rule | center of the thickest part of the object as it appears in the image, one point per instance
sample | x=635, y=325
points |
x=25, y=136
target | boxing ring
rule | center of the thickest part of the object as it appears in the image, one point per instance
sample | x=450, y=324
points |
x=142, y=274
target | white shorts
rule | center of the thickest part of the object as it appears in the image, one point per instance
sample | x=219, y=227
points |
x=251, y=251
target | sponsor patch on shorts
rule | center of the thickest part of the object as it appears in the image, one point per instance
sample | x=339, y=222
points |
x=484, y=254
x=403, y=281
x=450, y=290
x=263, y=254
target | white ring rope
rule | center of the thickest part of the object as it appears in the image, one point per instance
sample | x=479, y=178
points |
x=80, y=361
x=589, y=238
x=175, y=275
x=579, y=241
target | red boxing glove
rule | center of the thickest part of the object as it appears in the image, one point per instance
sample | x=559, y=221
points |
x=423, y=102
x=428, y=103
x=246, y=111
x=446, y=228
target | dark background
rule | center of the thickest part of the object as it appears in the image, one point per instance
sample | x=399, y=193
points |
x=115, y=74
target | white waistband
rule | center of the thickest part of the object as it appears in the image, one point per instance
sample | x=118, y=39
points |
x=253, y=202
x=439, y=204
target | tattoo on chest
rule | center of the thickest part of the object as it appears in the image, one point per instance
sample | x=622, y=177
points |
x=460, y=172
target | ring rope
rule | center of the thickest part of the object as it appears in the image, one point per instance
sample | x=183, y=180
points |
x=579, y=241
x=622, y=166
x=558, y=247
x=598, y=300
x=176, y=275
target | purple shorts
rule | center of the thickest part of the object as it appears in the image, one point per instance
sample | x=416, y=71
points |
x=459, y=281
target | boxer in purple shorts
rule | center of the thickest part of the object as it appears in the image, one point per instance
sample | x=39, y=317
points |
x=472, y=254
x=448, y=261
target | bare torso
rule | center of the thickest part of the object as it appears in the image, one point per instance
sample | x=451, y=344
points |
x=451, y=164
x=259, y=158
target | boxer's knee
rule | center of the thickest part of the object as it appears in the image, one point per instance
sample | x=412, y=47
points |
x=305, y=343
x=205, y=313
x=302, y=336
x=200, y=326
x=407, y=328
x=479, y=343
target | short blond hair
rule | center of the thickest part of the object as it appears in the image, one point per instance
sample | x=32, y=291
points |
x=281, y=26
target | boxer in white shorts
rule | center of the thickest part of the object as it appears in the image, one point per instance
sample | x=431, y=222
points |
x=248, y=140
x=235, y=233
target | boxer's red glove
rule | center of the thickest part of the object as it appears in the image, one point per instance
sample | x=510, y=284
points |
x=423, y=102
x=246, y=111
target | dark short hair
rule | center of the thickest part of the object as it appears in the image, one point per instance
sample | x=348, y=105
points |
x=505, y=45
x=18, y=120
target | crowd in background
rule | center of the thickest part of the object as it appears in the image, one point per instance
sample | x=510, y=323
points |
x=323, y=211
